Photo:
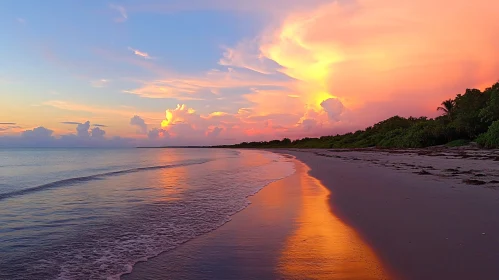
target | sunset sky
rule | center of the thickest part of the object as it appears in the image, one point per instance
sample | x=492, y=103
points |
x=178, y=72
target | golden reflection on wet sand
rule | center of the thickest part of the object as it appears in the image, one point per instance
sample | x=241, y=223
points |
x=323, y=247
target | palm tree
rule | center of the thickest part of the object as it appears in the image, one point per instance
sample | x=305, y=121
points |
x=447, y=107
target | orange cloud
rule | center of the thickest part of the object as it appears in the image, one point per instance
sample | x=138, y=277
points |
x=181, y=114
x=354, y=63
x=213, y=79
x=370, y=51
x=339, y=66
x=167, y=89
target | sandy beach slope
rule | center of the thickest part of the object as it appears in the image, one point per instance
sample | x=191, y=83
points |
x=288, y=232
x=428, y=214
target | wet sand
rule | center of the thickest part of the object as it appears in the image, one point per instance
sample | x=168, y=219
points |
x=422, y=212
x=288, y=232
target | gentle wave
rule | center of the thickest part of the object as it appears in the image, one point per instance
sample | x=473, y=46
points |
x=203, y=230
x=95, y=234
x=82, y=179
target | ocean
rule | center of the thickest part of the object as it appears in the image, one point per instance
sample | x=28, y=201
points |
x=94, y=213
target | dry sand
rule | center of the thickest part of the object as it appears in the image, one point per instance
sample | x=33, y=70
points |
x=428, y=214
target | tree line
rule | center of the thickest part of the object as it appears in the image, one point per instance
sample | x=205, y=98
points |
x=472, y=116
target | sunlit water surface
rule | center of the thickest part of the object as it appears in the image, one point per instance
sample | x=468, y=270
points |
x=93, y=213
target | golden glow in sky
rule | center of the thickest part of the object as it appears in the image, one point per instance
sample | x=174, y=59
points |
x=314, y=68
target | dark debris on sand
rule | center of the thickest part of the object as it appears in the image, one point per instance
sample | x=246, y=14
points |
x=423, y=172
x=474, y=182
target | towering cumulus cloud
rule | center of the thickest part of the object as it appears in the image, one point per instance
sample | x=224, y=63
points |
x=333, y=107
x=388, y=52
x=82, y=129
x=139, y=123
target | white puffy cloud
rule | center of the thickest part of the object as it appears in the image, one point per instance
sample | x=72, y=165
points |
x=82, y=129
x=39, y=133
x=98, y=133
x=44, y=137
x=140, y=123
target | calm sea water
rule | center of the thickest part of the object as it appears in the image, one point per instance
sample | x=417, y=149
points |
x=93, y=213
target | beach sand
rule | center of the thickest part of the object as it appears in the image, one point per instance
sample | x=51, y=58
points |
x=288, y=232
x=407, y=214
x=420, y=210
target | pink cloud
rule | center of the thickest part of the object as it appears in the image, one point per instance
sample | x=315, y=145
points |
x=140, y=53
x=372, y=51
x=323, y=67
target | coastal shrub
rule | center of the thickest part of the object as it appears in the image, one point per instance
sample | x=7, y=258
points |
x=418, y=136
x=392, y=139
x=490, y=139
x=466, y=113
x=490, y=113
x=421, y=134
x=458, y=143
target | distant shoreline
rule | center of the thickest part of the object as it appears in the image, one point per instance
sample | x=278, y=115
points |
x=188, y=147
x=369, y=149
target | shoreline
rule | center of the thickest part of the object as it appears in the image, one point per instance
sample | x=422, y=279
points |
x=287, y=226
x=418, y=225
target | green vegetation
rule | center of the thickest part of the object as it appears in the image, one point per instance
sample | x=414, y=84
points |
x=472, y=116
x=458, y=143
x=490, y=139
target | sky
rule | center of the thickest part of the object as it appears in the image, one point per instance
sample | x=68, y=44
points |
x=207, y=72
